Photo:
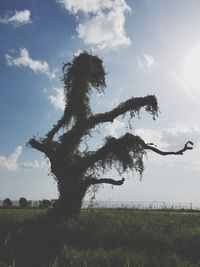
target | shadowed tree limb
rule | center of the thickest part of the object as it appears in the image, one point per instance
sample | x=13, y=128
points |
x=122, y=148
x=132, y=105
x=37, y=145
x=116, y=149
x=93, y=181
x=163, y=153
x=41, y=146
x=60, y=123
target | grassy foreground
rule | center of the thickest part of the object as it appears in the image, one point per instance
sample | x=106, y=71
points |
x=100, y=238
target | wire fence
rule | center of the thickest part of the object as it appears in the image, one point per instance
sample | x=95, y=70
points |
x=142, y=205
x=150, y=205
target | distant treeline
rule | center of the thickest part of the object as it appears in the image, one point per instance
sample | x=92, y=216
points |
x=23, y=203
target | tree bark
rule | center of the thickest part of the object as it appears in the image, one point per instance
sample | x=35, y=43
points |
x=72, y=192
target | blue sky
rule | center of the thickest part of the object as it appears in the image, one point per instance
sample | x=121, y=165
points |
x=148, y=47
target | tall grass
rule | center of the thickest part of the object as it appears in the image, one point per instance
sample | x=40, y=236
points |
x=119, y=257
x=102, y=237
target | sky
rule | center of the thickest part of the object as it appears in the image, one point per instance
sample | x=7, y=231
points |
x=147, y=47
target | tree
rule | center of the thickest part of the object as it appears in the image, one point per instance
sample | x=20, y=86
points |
x=75, y=170
x=7, y=203
x=23, y=203
x=44, y=204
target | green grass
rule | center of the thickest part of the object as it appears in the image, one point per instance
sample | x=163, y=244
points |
x=100, y=237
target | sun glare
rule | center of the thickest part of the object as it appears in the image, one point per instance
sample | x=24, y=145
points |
x=191, y=69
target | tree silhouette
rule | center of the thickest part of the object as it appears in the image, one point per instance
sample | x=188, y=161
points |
x=7, y=203
x=44, y=204
x=24, y=203
x=75, y=170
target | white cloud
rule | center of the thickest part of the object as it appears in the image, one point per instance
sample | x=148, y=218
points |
x=25, y=60
x=87, y=6
x=181, y=134
x=173, y=139
x=113, y=128
x=36, y=164
x=167, y=139
x=146, y=61
x=18, y=18
x=151, y=136
x=10, y=163
x=78, y=52
x=103, y=25
x=57, y=100
x=188, y=164
x=109, y=103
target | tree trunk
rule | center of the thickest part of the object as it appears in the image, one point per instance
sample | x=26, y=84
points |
x=70, y=200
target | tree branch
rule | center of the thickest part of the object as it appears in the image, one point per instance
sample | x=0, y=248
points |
x=128, y=150
x=60, y=123
x=39, y=146
x=133, y=105
x=163, y=153
x=92, y=181
x=124, y=149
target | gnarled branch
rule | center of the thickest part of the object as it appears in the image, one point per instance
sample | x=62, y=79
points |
x=60, y=123
x=127, y=149
x=124, y=150
x=39, y=146
x=93, y=181
x=133, y=105
x=164, y=153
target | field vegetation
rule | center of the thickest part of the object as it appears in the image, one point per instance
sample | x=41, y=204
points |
x=100, y=238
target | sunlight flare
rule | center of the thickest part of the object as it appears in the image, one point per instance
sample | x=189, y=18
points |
x=191, y=69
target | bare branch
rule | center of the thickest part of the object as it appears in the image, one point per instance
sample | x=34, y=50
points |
x=92, y=181
x=163, y=153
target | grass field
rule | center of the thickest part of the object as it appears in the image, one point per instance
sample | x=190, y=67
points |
x=100, y=238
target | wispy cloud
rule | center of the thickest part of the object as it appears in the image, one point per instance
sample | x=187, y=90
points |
x=114, y=128
x=10, y=163
x=151, y=136
x=35, y=164
x=104, y=22
x=181, y=134
x=86, y=6
x=17, y=18
x=171, y=138
x=25, y=60
x=57, y=99
x=145, y=60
